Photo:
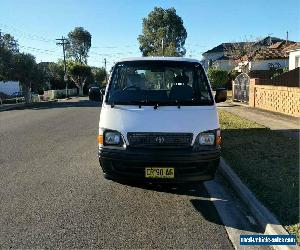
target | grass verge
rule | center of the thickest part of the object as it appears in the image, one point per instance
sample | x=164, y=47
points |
x=267, y=162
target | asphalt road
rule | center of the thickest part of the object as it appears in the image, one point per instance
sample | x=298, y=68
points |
x=53, y=195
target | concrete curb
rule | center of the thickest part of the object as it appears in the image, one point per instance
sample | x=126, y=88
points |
x=13, y=106
x=22, y=105
x=262, y=215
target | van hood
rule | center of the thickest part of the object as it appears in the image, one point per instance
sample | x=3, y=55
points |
x=186, y=119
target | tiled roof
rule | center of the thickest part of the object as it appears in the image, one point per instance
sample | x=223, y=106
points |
x=266, y=41
x=294, y=46
x=223, y=47
x=269, y=53
x=278, y=50
x=276, y=45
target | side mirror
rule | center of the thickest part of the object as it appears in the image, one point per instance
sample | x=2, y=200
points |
x=221, y=95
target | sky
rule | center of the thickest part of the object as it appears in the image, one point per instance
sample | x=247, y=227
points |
x=115, y=25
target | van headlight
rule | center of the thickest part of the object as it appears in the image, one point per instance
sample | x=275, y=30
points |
x=206, y=138
x=108, y=137
x=209, y=138
x=112, y=138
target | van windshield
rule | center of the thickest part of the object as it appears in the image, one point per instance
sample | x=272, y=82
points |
x=159, y=83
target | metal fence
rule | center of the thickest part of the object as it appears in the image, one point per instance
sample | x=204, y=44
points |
x=240, y=88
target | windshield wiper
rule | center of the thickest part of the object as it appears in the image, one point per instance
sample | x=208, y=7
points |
x=112, y=105
x=140, y=103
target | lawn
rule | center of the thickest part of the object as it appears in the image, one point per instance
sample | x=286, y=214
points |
x=267, y=162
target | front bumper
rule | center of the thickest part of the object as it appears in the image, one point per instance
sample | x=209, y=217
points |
x=189, y=166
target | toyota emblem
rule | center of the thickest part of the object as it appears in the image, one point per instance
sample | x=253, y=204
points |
x=160, y=139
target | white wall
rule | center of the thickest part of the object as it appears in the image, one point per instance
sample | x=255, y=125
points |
x=9, y=87
x=53, y=94
x=226, y=65
x=206, y=57
x=294, y=59
x=264, y=64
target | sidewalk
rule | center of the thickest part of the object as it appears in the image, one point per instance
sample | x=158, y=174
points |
x=288, y=125
x=4, y=107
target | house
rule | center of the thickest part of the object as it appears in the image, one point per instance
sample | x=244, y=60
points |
x=219, y=55
x=274, y=56
x=294, y=55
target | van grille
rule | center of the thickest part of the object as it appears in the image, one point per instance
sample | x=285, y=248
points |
x=160, y=140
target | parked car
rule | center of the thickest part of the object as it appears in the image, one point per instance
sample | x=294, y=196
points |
x=17, y=94
x=95, y=94
x=159, y=122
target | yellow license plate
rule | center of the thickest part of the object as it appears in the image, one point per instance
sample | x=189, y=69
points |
x=155, y=172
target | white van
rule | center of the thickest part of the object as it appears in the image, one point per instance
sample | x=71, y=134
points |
x=159, y=121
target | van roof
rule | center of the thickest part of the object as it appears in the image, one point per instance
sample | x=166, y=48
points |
x=159, y=58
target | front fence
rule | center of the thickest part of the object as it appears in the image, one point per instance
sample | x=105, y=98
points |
x=287, y=79
x=285, y=100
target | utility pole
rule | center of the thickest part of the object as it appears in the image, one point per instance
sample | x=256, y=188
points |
x=163, y=46
x=287, y=37
x=0, y=38
x=105, y=71
x=64, y=41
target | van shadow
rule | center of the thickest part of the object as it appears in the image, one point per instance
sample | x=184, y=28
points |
x=200, y=199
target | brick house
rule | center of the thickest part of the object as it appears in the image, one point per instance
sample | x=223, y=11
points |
x=219, y=57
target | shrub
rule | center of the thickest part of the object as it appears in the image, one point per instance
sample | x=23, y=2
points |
x=218, y=78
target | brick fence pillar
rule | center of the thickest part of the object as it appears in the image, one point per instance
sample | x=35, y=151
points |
x=252, y=83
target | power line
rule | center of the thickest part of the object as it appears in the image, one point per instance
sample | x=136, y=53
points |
x=33, y=48
x=114, y=47
x=27, y=35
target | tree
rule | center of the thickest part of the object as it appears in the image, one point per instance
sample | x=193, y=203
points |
x=79, y=45
x=25, y=70
x=6, y=63
x=55, y=73
x=163, y=25
x=218, y=78
x=19, y=66
x=100, y=75
x=79, y=74
x=8, y=47
x=9, y=42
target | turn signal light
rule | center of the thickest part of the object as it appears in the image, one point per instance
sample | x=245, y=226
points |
x=100, y=139
x=218, y=138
